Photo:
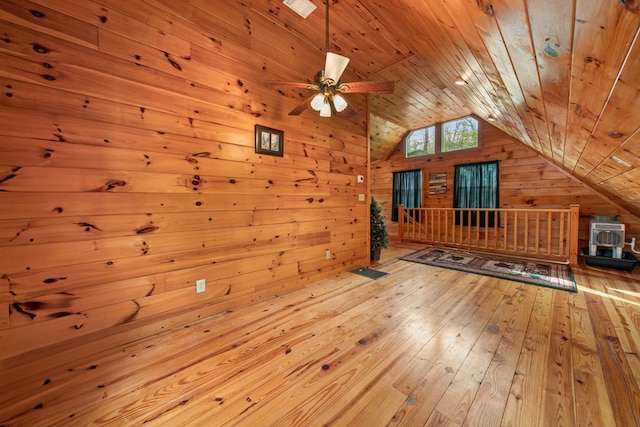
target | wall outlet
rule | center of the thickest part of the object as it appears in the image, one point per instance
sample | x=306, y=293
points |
x=328, y=254
x=201, y=286
x=361, y=197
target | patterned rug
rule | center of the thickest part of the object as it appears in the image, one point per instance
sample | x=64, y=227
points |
x=556, y=276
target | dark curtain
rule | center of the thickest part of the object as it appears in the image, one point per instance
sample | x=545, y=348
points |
x=476, y=186
x=407, y=191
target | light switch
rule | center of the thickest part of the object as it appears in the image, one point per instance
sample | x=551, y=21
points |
x=361, y=197
x=360, y=178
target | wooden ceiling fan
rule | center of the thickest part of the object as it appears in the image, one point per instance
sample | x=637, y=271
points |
x=329, y=84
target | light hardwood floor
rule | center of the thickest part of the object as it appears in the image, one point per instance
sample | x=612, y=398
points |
x=421, y=346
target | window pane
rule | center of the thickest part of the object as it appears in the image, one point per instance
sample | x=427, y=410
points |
x=459, y=134
x=421, y=142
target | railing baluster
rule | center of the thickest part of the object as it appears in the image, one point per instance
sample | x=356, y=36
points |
x=432, y=225
x=496, y=230
x=537, y=244
x=469, y=222
x=401, y=223
x=561, y=235
x=549, y=239
x=515, y=231
x=526, y=232
x=506, y=231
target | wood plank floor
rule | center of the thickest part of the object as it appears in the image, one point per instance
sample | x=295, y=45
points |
x=421, y=346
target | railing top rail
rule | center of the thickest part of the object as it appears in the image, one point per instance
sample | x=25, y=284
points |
x=491, y=209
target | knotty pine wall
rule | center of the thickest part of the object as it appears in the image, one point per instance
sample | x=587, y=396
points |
x=128, y=168
x=527, y=180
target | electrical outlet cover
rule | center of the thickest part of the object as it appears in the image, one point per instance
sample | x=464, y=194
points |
x=201, y=286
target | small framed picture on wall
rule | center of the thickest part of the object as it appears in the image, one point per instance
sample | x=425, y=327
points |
x=269, y=141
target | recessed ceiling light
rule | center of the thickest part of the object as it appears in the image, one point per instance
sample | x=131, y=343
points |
x=615, y=134
x=620, y=161
x=460, y=81
x=301, y=7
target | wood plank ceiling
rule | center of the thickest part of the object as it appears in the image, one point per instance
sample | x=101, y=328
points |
x=560, y=76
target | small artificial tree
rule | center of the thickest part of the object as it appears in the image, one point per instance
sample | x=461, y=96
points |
x=379, y=237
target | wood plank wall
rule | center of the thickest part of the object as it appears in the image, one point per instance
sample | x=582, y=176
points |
x=527, y=180
x=128, y=170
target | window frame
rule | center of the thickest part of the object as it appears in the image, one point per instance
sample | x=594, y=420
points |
x=438, y=139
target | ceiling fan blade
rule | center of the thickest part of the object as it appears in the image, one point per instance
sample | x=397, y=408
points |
x=301, y=107
x=298, y=85
x=349, y=111
x=334, y=66
x=367, y=87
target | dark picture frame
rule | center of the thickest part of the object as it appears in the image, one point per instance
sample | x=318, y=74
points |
x=269, y=141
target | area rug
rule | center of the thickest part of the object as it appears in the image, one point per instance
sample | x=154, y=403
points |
x=556, y=276
x=371, y=274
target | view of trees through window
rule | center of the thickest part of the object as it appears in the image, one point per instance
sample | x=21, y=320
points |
x=459, y=134
x=421, y=142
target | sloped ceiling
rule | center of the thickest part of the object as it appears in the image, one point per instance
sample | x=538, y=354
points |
x=562, y=77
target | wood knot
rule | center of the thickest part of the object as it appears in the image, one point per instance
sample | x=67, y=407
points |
x=113, y=184
x=595, y=61
x=39, y=48
x=493, y=329
x=631, y=5
x=147, y=229
x=486, y=7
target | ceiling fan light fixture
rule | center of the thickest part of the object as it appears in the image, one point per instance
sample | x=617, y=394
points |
x=325, y=111
x=339, y=103
x=334, y=67
x=317, y=102
x=328, y=82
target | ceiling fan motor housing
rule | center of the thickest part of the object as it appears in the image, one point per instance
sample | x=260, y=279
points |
x=606, y=231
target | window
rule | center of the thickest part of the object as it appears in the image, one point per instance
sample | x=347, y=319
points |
x=454, y=135
x=407, y=191
x=475, y=185
x=460, y=134
x=421, y=142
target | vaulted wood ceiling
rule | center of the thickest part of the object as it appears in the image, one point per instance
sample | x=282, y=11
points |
x=562, y=77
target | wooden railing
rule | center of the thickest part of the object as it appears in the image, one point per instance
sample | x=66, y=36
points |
x=550, y=234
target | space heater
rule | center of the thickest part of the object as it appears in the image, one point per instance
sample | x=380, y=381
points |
x=607, y=232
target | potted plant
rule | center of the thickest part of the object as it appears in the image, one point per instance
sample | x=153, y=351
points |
x=379, y=237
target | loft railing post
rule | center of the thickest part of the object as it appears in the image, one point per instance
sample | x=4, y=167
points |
x=400, y=222
x=574, y=222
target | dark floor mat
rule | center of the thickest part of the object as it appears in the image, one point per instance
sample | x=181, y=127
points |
x=371, y=274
